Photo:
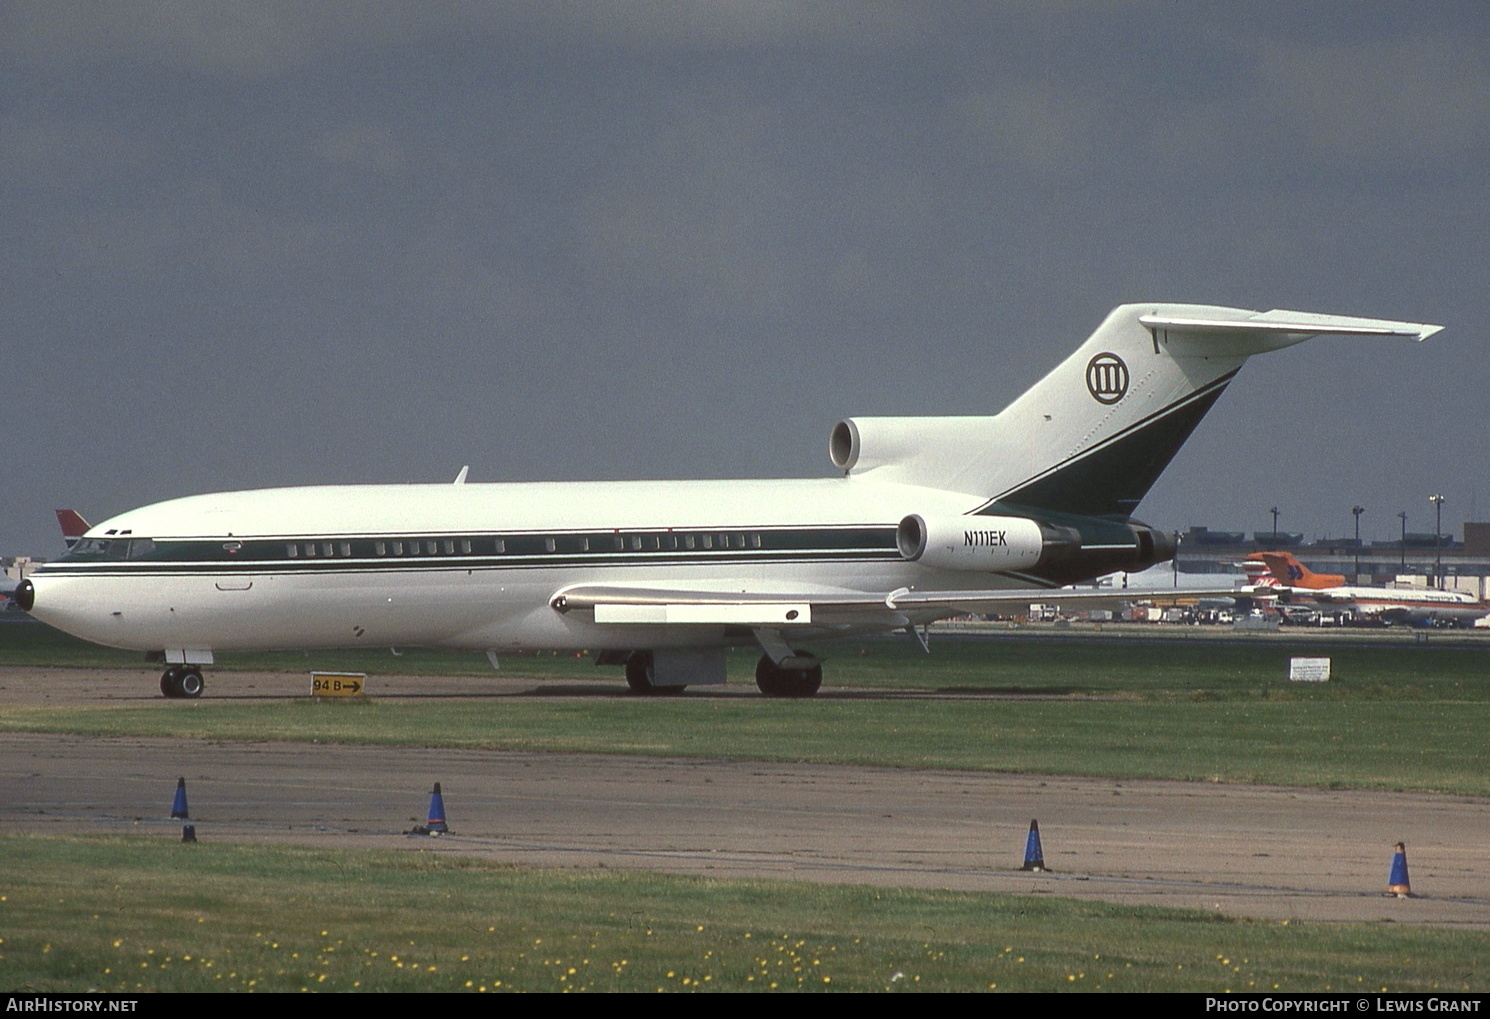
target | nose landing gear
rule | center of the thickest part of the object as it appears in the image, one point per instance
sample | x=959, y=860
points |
x=182, y=681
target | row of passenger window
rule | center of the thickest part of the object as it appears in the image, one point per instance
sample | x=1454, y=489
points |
x=522, y=545
x=260, y=550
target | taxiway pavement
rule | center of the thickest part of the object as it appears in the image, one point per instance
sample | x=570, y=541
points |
x=1234, y=849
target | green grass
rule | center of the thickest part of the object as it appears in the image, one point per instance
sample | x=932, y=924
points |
x=1136, y=663
x=1394, y=717
x=38, y=645
x=1437, y=747
x=143, y=914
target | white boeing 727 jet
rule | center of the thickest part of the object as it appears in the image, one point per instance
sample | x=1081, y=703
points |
x=928, y=517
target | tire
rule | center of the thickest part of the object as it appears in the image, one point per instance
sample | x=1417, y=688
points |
x=639, y=677
x=190, y=684
x=775, y=681
x=170, y=683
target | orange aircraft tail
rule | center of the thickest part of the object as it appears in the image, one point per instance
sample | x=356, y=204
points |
x=1292, y=573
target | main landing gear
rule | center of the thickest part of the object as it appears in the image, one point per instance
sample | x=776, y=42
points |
x=182, y=681
x=641, y=676
x=778, y=681
x=781, y=672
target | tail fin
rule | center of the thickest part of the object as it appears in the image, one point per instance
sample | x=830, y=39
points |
x=1259, y=575
x=1292, y=573
x=73, y=526
x=1094, y=435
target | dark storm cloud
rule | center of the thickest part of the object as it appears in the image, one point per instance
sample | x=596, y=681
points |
x=281, y=243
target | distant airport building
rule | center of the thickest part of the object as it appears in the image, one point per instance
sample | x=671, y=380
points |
x=1411, y=560
x=18, y=567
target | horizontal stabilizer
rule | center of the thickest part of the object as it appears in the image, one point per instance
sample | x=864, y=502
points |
x=1269, y=330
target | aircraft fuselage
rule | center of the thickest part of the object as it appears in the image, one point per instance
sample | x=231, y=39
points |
x=476, y=566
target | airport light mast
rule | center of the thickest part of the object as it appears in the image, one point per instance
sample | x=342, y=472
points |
x=1437, y=501
x=1357, y=510
x=1403, y=546
x=1274, y=512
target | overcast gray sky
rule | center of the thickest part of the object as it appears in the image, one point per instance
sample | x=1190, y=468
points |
x=284, y=243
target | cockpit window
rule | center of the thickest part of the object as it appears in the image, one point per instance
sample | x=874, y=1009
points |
x=92, y=550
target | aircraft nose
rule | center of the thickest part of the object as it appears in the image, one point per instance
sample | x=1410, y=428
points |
x=25, y=595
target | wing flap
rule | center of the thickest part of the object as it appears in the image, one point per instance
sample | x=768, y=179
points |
x=715, y=613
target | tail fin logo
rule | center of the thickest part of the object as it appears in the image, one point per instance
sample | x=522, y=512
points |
x=1107, y=378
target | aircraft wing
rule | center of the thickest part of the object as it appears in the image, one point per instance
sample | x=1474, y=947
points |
x=958, y=602
x=1306, y=596
x=614, y=604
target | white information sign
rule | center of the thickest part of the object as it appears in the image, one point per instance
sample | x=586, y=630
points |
x=1309, y=670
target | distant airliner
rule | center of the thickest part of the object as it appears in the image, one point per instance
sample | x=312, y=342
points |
x=73, y=526
x=1297, y=585
x=928, y=517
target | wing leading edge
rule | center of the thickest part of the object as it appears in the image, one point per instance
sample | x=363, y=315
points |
x=631, y=605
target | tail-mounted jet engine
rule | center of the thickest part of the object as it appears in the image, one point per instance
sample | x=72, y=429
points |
x=1074, y=549
x=981, y=544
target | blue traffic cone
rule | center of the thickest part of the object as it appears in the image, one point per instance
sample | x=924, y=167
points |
x=1397, y=883
x=1034, y=857
x=436, y=822
x=178, y=808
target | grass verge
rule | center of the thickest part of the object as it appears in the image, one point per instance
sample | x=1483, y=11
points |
x=142, y=914
x=1435, y=747
x=1395, y=716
